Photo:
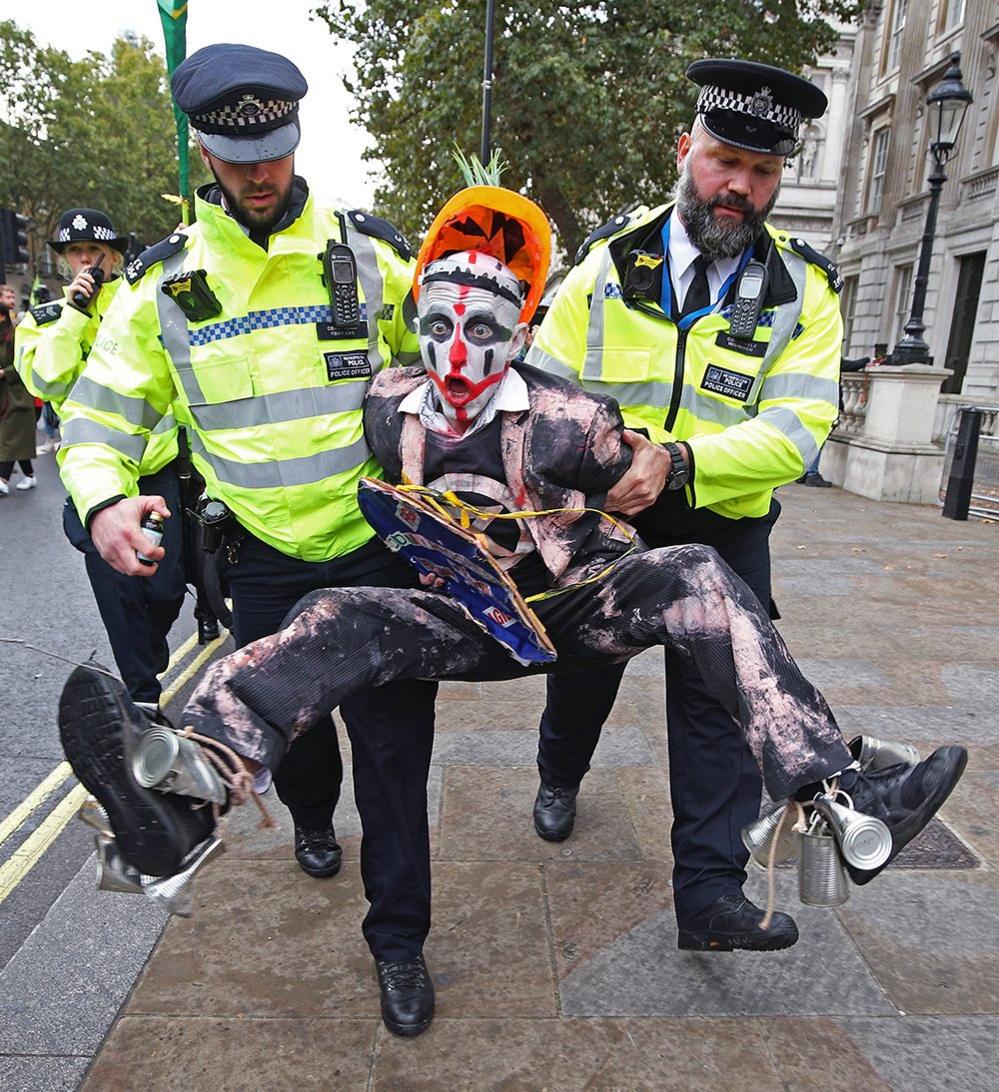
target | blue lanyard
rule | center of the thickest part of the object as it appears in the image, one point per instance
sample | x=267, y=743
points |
x=666, y=301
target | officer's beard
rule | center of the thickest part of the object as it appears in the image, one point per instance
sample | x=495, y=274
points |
x=713, y=239
x=255, y=219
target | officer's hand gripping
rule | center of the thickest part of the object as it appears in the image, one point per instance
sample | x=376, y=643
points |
x=116, y=533
x=644, y=480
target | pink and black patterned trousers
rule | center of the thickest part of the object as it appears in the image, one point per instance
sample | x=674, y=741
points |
x=342, y=640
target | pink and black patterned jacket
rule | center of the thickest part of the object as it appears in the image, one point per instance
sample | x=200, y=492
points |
x=564, y=452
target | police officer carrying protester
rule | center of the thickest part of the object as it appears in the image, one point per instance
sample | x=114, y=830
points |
x=52, y=344
x=719, y=336
x=265, y=322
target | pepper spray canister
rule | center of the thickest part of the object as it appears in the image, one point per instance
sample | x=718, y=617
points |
x=152, y=528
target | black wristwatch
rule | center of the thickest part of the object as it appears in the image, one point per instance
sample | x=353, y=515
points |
x=679, y=470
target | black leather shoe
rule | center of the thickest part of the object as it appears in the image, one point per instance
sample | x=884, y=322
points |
x=407, y=995
x=318, y=852
x=904, y=797
x=554, y=812
x=99, y=726
x=731, y=922
x=816, y=479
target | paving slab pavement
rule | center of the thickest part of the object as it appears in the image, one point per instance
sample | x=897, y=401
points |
x=556, y=965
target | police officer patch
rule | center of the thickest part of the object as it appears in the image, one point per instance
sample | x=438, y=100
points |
x=728, y=383
x=347, y=365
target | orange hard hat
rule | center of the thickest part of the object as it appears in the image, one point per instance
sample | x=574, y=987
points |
x=496, y=221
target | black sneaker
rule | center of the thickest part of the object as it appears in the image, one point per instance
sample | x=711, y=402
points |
x=903, y=797
x=555, y=812
x=407, y=995
x=732, y=922
x=99, y=726
x=317, y=851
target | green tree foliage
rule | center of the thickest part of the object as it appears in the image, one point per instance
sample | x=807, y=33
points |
x=98, y=132
x=588, y=98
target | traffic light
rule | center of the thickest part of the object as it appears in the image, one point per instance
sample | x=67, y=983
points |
x=14, y=232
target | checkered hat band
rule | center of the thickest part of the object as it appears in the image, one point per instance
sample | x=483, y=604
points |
x=97, y=232
x=759, y=105
x=247, y=113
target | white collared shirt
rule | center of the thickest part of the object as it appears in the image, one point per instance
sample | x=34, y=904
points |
x=682, y=253
x=511, y=395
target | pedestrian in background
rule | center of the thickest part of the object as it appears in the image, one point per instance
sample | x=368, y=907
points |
x=17, y=407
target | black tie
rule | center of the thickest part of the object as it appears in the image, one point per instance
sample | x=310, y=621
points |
x=698, y=294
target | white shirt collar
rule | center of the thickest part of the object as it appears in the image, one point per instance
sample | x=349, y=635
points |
x=511, y=396
x=682, y=251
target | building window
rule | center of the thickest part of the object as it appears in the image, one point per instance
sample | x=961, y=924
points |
x=878, y=165
x=951, y=15
x=848, y=307
x=895, y=25
x=903, y=299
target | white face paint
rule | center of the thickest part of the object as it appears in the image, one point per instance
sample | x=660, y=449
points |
x=468, y=332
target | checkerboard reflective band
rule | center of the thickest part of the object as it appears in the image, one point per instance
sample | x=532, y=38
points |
x=758, y=105
x=246, y=113
x=263, y=320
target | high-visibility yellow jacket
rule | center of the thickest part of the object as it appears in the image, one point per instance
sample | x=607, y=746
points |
x=753, y=413
x=51, y=346
x=269, y=391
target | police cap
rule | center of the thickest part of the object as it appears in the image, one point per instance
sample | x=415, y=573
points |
x=243, y=101
x=754, y=106
x=86, y=226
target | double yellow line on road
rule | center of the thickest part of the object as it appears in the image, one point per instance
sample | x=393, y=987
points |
x=27, y=855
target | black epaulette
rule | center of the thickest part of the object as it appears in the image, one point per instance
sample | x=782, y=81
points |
x=46, y=312
x=381, y=229
x=158, y=252
x=605, y=231
x=816, y=257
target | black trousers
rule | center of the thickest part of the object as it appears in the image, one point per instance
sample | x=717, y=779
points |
x=138, y=612
x=715, y=785
x=390, y=766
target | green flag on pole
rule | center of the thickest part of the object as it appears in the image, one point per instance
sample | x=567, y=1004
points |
x=173, y=16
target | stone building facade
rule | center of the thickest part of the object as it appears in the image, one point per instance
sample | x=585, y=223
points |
x=901, y=51
x=811, y=184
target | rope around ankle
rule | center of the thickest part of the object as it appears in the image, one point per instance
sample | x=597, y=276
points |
x=799, y=825
x=232, y=770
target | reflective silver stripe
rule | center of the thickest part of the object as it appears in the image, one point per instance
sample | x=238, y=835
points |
x=593, y=361
x=798, y=385
x=276, y=473
x=94, y=395
x=705, y=408
x=48, y=392
x=173, y=329
x=785, y=320
x=788, y=422
x=548, y=363
x=372, y=284
x=81, y=431
x=165, y=424
x=284, y=406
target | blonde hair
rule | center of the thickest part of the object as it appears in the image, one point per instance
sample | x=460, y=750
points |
x=117, y=261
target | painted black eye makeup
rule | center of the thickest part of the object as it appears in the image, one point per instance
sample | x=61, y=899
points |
x=485, y=330
x=436, y=325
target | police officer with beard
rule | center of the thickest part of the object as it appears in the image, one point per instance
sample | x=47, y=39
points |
x=719, y=336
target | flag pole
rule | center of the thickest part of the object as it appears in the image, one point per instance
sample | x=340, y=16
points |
x=173, y=16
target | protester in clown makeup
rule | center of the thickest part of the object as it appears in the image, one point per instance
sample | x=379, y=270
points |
x=471, y=418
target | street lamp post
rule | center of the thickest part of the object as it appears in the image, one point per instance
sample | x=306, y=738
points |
x=946, y=105
x=487, y=87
